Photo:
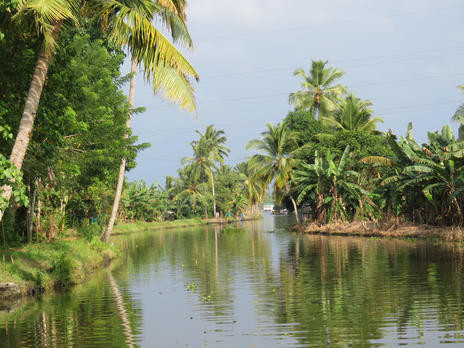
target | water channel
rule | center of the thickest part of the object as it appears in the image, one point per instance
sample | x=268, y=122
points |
x=259, y=286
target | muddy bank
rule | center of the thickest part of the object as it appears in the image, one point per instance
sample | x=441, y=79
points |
x=382, y=229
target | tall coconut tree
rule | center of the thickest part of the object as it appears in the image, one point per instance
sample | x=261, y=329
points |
x=252, y=186
x=173, y=83
x=128, y=24
x=319, y=92
x=276, y=162
x=208, y=152
x=352, y=114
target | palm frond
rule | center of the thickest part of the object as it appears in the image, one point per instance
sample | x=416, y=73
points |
x=175, y=87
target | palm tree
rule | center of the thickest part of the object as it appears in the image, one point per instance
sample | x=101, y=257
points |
x=277, y=161
x=173, y=83
x=352, y=114
x=319, y=95
x=208, y=151
x=190, y=188
x=129, y=25
x=253, y=187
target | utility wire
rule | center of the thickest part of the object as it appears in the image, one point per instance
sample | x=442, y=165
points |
x=209, y=77
x=380, y=112
x=259, y=97
x=315, y=26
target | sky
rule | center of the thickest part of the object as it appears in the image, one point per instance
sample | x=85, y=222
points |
x=403, y=55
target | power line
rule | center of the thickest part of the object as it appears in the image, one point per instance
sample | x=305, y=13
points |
x=379, y=112
x=179, y=160
x=315, y=26
x=259, y=97
x=209, y=77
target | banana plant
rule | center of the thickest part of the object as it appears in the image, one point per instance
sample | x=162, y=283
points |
x=333, y=188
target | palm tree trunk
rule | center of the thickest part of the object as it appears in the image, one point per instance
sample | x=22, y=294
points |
x=214, y=194
x=295, y=210
x=122, y=168
x=30, y=110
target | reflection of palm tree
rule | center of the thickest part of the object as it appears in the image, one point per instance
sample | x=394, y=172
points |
x=122, y=310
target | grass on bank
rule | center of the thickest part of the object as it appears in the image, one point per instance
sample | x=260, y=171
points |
x=43, y=266
x=142, y=225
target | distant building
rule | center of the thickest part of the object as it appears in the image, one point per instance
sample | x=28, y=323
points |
x=268, y=207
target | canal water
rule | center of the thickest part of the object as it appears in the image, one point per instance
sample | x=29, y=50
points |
x=258, y=286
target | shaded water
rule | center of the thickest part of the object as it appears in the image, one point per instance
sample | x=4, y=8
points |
x=260, y=287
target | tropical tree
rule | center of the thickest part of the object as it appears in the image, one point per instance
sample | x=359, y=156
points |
x=428, y=180
x=319, y=93
x=173, y=83
x=208, y=152
x=129, y=25
x=252, y=185
x=140, y=202
x=332, y=188
x=278, y=147
x=190, y=188
x=352, y=114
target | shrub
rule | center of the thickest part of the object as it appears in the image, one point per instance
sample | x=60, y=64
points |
x=62, y=267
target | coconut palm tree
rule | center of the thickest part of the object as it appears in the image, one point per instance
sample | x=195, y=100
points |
x=173, y=83
x=319, y=93
x=352, y=114
x=253, y=186
x=190, y=188
x=276, y=162
x=129, y=25
x=208, y=151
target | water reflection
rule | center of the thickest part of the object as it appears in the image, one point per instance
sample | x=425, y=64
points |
x=257, y=286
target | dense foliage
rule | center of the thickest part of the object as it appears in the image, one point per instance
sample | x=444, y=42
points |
x=325, y=160
x=79, y=136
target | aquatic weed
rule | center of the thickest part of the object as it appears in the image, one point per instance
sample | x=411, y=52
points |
x=191, y=286
x=206, y=298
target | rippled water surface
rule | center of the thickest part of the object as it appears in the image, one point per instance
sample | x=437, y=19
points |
x=256, y=287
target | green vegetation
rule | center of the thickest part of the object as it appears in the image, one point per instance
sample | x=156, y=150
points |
x=44, y=266
x=81, y=133
x=325, y=159
x=339, y=168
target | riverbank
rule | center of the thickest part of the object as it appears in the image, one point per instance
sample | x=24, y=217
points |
x=42, y=267
x=392, y=230
x=142, y=225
